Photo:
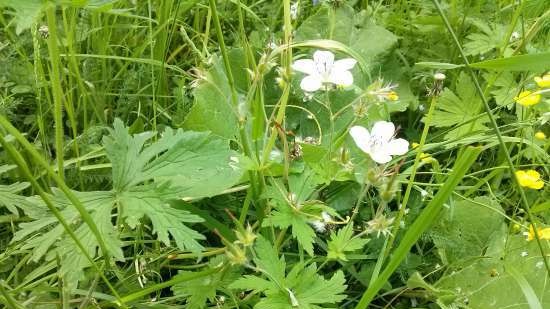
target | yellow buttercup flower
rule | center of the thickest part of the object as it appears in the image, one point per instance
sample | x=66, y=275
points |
x=392, y=96
x=527, y=98
x=530, y=179
x=424, y=157
x=544, y=81
x=540, y=135
x=543, y=233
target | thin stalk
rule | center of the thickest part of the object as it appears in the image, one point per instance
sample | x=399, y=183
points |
x=497, y=133
x=412, y=176
x=9, y=299
x=55, y=78
x=229, y=74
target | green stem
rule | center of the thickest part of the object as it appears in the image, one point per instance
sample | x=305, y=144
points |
x=417, y=159
x=55, y=77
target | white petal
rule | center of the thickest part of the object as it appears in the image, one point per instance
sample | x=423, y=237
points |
x=311, y=83
x=361, y=137
x=380, y=157
x=324, y=60
x=345, y=64
x=305, y=66
x=383, y=130
x=341, y=78
x=397, y=146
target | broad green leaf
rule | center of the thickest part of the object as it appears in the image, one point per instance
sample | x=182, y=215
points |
x=506, y=88
x=26, y=12
x=467, y=228
x=357, y=31
x=531, y=62
x=187, y=159
x=293, y=209
x=460, y=110
x=493, y=281
x=213, y=108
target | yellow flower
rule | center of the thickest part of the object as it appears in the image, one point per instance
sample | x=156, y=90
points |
x=530, y=179
x=540, y=135
x=544, y=81
x=424, y=157
x=543, y=233
x=527, y=98
x=392, y=96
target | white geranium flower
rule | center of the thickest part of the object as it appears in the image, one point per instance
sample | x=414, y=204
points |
x=322, y=70
x=380, y=143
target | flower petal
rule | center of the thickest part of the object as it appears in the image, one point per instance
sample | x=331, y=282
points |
x=534, y=175
x=341, y=78
x=380, y=156
x=361, y=137
x=383, y=130
x=397, y=146
x=345, y=64
x=311, y=83
x=324, y=60
x=537, y=184
x=305, y=66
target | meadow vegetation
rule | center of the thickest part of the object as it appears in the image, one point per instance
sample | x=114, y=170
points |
x=275, y=154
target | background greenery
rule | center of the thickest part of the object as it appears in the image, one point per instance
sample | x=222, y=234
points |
x=161, y=154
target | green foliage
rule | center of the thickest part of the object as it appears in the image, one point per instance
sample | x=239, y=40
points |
x=209, y=193
x=9, y=194
x=461, y=110
x=467, y=228
x=301, y=287
x=490, y=282
x=344, y=241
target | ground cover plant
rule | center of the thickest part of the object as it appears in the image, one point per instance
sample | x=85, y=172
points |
x=274, y=154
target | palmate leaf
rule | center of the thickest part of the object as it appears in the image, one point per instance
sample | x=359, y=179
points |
x=9, y=194
x=460, y=110
x=146, y=178
x=302, y=287
x=342, y=242
x=303, y=211
x=198, y=292
x=152, y=202
x=186, y=159
x=45, y=237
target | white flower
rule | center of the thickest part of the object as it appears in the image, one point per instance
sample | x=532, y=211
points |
x=294, y=11
x=322, y=70
x=379, y=143
x=321, y=225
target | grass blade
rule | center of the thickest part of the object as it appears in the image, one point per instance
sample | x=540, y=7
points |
x=422, y=223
